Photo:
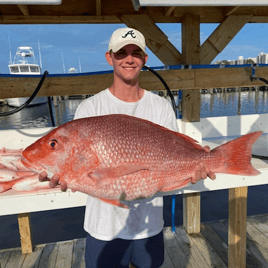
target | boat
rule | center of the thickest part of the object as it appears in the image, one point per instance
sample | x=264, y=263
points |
x=72, y=70
x=24, y=64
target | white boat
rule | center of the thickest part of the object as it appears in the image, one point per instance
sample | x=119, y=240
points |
x=24, y=64
x=72, y=70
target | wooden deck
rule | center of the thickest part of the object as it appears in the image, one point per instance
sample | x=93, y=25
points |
x=207, y=249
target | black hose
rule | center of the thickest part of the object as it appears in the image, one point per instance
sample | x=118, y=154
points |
x=174, y=108
x=51, y=111
x=29, y=100
x=263, y=80
x=165, y=85
x=260, y=157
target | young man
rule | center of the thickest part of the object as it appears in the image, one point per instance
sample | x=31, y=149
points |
x=117, y=236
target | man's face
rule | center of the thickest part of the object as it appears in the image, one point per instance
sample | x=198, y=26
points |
x=127, y=62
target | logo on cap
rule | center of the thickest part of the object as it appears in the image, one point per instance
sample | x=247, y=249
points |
x=131, y=33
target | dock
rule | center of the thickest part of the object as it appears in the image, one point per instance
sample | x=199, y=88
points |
x=209, y=248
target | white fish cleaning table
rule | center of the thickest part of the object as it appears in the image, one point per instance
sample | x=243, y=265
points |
x=214, y=131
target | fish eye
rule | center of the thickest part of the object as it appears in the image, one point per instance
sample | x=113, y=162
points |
x=53, y=144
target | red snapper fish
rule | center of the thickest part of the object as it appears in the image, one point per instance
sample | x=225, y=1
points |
x=121, y=158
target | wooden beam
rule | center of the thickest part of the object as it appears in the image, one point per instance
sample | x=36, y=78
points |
x=221, y=37
x=259, y=19
x=4, y=19
x=24, y=221
x=191, y=55
x=191, y=111
x=156, y=40
x=181, y=11
x=185, y=79
x=232, y=10
x=24, y=9
x=77, y=19
x=191, y=213
x=237, y=227
x=98, y=7
x=169, y=10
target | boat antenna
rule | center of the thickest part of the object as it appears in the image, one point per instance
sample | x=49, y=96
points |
x=80, y=68
x=10, y=61
x=63, y=63
x=40, y=55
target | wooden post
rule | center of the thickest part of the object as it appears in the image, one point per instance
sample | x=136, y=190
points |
x=55, y=100
x=24, y=221
x=237, y=227
x=191, y=111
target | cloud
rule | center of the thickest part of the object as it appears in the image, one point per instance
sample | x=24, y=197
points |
x=46, y=46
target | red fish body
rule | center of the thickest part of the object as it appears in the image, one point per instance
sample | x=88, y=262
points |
x=119, y=157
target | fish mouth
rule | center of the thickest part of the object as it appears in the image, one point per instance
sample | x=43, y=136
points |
x=34, y=167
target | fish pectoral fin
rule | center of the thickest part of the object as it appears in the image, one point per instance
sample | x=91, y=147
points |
x=114, y=202
x=175, y=186
x=114, y=172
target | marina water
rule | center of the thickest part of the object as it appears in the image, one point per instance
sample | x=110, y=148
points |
x=212, y=105
x=65, y=224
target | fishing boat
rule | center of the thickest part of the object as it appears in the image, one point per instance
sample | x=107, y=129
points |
x=24, y=64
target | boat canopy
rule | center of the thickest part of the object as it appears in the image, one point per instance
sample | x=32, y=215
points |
x=24, y=62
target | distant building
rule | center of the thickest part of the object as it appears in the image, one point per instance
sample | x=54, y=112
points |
x=262, y=58
x=240, y=60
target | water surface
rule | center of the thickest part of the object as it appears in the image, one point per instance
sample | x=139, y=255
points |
x=212, y=105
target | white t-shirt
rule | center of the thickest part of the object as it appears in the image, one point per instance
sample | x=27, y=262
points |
x=144, y=218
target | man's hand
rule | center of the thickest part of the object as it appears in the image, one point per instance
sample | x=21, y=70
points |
x=201, y=172
x=54, y=181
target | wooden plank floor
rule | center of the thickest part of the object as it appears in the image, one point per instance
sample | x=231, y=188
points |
x=207, y=249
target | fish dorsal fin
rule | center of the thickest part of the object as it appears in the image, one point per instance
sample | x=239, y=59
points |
x=192, y=141
x=114, y=172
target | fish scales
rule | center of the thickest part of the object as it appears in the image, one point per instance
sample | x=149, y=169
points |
x=119, y=157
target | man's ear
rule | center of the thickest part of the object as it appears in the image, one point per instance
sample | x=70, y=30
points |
x=108, y=56
x=145, y=59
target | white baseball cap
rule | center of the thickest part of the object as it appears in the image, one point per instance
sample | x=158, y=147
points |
x=125, y=36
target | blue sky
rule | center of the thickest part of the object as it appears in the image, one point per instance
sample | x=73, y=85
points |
x=89, y=42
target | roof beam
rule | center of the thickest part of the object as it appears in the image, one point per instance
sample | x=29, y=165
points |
x=233, y=9
x=6, y=19
x=98, y=7
x=169, y=10
x=156, y=40
x=259, y=19
x=222, y=36
x=24, y=9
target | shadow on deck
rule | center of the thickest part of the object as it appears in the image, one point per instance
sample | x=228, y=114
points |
x=206, y=249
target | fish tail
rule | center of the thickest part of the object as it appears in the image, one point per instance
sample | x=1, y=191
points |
x=237, y=155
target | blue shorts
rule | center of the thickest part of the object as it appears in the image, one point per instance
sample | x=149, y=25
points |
x=119, y=253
